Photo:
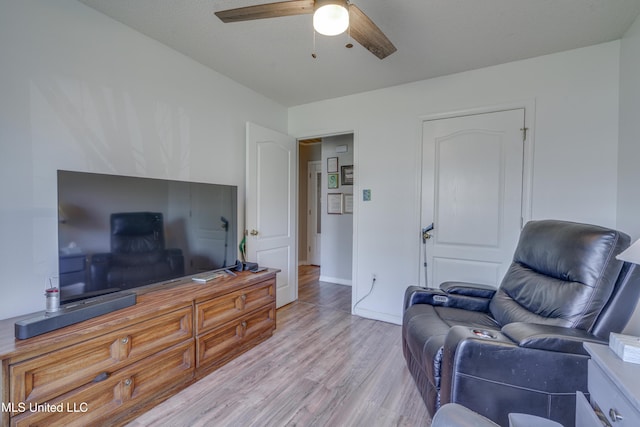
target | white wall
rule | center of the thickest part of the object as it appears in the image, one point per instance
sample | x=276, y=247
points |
x=337, y=230
x=80, y=91
x=574, y=165
x=629, y=147
x=629, y=157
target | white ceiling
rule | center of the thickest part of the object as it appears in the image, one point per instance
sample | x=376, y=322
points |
x=433, y=37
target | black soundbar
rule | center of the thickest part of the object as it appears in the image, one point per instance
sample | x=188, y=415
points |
x=73, y=313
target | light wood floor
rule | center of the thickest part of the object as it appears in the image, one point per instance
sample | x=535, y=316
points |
x=322, y=367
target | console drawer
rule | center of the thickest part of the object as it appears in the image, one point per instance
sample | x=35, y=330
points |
x=217, y=347
x=98, y=402
x=609, y=398
x=217, y=311
x=585, y=415
x=45, y=377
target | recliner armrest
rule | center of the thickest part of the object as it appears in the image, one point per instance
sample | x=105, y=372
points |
x=176, y=261
x=172, y=252
x=550, y=337
x=468, y=289
x=99, y=269
x=101, y=258
x=476, y=360
x=417, y=295
x=456, y=299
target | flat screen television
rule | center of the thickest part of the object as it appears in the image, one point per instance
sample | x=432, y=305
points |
x=120, y=232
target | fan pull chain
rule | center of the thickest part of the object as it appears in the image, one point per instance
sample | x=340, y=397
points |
x=313, y=53
x=349, y=45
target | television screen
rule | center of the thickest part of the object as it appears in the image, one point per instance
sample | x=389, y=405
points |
x=119, y=232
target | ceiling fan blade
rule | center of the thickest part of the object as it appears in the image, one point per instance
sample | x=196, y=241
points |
x=270, y=10
x=365, y=32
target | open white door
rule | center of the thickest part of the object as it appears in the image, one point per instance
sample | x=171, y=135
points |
x=270, y=206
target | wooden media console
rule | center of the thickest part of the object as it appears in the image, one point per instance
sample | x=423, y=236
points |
x=111, y=368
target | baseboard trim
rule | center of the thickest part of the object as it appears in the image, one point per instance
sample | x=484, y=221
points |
x=336, y=280
x=375, y=315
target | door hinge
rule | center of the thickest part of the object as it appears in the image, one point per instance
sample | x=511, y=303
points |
x=524, y=133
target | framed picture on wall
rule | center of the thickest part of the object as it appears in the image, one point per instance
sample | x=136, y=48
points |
x=332, y=165
x=347, y=175
x=334, y=203
x=332, y=180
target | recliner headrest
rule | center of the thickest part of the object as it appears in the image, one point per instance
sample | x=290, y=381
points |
x=135, y=223
x=568, y=251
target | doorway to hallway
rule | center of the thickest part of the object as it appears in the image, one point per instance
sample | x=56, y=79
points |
x=325, y=216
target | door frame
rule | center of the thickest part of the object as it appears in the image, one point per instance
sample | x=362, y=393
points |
x=356, y=191
x=527, y=162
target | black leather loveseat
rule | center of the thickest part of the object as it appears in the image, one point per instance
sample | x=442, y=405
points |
x=519, y=349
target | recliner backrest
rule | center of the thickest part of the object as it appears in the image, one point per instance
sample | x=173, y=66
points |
x=137, y=232
x=563, y=273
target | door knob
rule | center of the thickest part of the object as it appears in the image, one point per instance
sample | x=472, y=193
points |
x=425, y=232
x=254, y=232
x=615, y=415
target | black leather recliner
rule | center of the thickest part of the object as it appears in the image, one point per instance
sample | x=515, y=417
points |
x=519, y=348
x=138, y=255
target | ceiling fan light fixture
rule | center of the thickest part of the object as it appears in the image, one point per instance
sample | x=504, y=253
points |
x=331, y=17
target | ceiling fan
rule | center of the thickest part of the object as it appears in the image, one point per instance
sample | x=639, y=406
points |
x=337, y=14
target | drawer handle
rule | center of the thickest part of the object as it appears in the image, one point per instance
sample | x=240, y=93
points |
x=127, y=382
x=244, y=325
x=101, y=377
x=124, y=340
x=615, y=415
x=241, y=302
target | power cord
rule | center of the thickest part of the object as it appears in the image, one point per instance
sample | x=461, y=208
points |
x=373, y=283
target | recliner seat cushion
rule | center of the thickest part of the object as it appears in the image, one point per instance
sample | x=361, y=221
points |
x=135, y=259
x=129, y=277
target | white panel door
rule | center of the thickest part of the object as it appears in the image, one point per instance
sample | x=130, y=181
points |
x=472, y=191
x=270, y=206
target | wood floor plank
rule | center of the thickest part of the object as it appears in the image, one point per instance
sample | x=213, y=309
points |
x=323, y=294
x=322, y=367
